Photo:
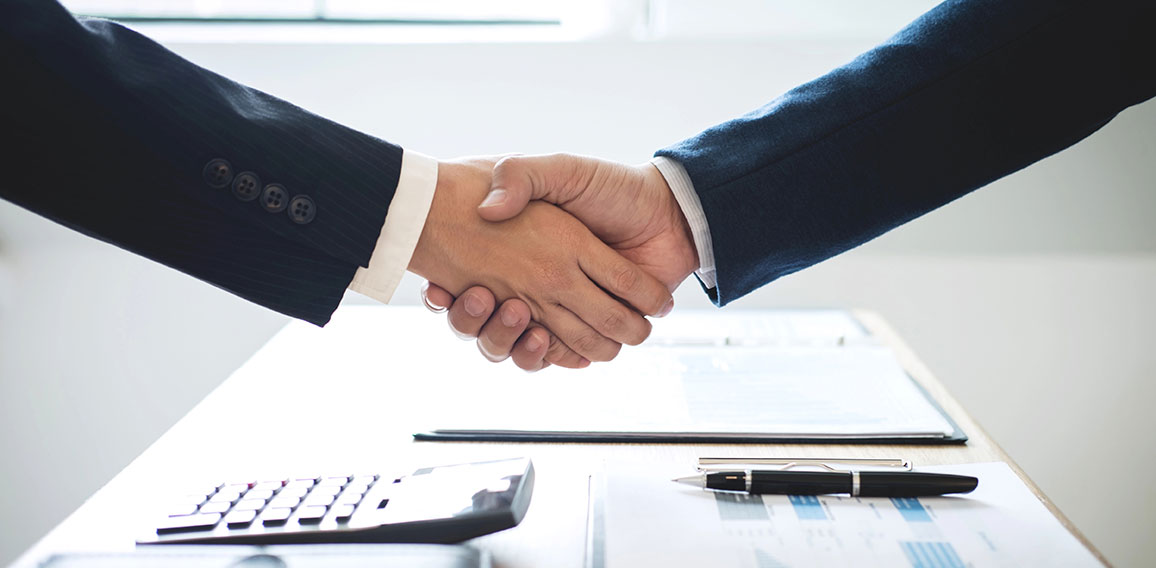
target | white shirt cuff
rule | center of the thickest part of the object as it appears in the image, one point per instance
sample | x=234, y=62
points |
x=687, y=198
x=402, y=228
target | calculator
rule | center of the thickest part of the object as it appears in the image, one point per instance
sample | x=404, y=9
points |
x=444, y=504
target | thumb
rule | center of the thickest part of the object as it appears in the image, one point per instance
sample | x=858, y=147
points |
x=520, y=179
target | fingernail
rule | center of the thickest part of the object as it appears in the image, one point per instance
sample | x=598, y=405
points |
x=665, y=309
x=583, y=363
x=474, y=307
x=509, y=318
x=429, y=305
x=495, y=198
x=533, y=344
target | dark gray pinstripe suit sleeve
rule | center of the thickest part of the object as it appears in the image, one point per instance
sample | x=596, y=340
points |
x=112, y=135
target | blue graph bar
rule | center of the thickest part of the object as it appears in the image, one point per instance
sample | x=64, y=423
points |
x=911, y=509
x=932, y=555
x=741, y=507
x=808, y=508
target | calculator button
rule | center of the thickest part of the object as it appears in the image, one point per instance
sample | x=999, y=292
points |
x=240, y=519
x=318, y=500
x=348, y=498
x=182, y=510
x=310, y=515
x=193, y=499
x=302, y=482
x=198, y=497
x=188, y=523
x=268, y=486
x=275, y=517
x=343, y=512
x=250, y=505
x=293, y=492
x=215, y=507
x=287, y=501
x=262, y=494
x=226, y=496
x=334, y=481
x=329, y=490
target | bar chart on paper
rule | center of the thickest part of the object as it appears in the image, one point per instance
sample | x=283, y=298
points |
x=642, y=520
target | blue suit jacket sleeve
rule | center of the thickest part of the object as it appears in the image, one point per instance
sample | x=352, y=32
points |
x=110, y=133
x=971, y=91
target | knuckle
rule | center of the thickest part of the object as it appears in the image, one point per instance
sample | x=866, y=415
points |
x=507, y=166
x=615, y=322
x=585, y=344
x=556, y=349
x=596, y=348
x=625, y=278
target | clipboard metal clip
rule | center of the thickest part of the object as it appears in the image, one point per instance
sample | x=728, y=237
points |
x=842, y=465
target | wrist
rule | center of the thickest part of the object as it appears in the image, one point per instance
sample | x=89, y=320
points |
x=681, y=234
x=426, y=252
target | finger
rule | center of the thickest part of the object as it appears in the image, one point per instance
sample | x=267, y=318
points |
x=626, y=281
x=577, y=334
x=529, y=352
x=501, y=331
x=538, y=344
x=517, y=180
x=605, y=315
x=436, y=298
x=470, y=311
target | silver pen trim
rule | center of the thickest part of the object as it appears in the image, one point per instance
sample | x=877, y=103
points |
x=696, y=480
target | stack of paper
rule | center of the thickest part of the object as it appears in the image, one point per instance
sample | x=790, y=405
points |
x=714, y=376
x=640, y=518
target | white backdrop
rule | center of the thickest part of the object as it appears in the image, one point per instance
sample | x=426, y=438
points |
x=1030, y=298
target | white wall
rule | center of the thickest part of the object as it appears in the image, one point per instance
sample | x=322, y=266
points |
x=1029, y=298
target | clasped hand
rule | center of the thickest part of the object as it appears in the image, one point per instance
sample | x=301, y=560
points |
x=575, y=250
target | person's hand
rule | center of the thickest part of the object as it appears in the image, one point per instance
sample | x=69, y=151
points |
x=631, y=208
x=500, y=336
x=566, y=278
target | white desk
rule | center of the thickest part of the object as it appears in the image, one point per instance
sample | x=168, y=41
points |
x=334, y=399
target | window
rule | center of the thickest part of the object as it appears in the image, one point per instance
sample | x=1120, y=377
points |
x=348, y=11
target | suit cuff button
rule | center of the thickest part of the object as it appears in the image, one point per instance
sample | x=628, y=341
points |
x=246, y=186
x=302, y=210
x=274, y=199
x=217, y=173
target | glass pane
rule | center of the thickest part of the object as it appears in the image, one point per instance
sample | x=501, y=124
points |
x=402, y=10
x=293, y=9
x=447, y=10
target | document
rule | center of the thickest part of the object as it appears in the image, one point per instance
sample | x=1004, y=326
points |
x=708, y=376
x=641, y=518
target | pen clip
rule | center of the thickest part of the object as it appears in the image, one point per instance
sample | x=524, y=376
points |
x=846, y=465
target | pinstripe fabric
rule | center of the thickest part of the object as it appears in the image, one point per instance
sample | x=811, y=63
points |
x=970, y=92
x=114, y=131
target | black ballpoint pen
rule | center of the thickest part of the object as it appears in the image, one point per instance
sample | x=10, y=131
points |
x=855, y=483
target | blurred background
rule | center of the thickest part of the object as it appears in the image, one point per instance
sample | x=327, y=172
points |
x=1031, y=299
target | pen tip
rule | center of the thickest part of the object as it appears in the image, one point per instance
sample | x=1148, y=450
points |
x=695, y=480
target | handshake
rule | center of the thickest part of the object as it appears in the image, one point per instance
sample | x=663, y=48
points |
x=577, y=251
